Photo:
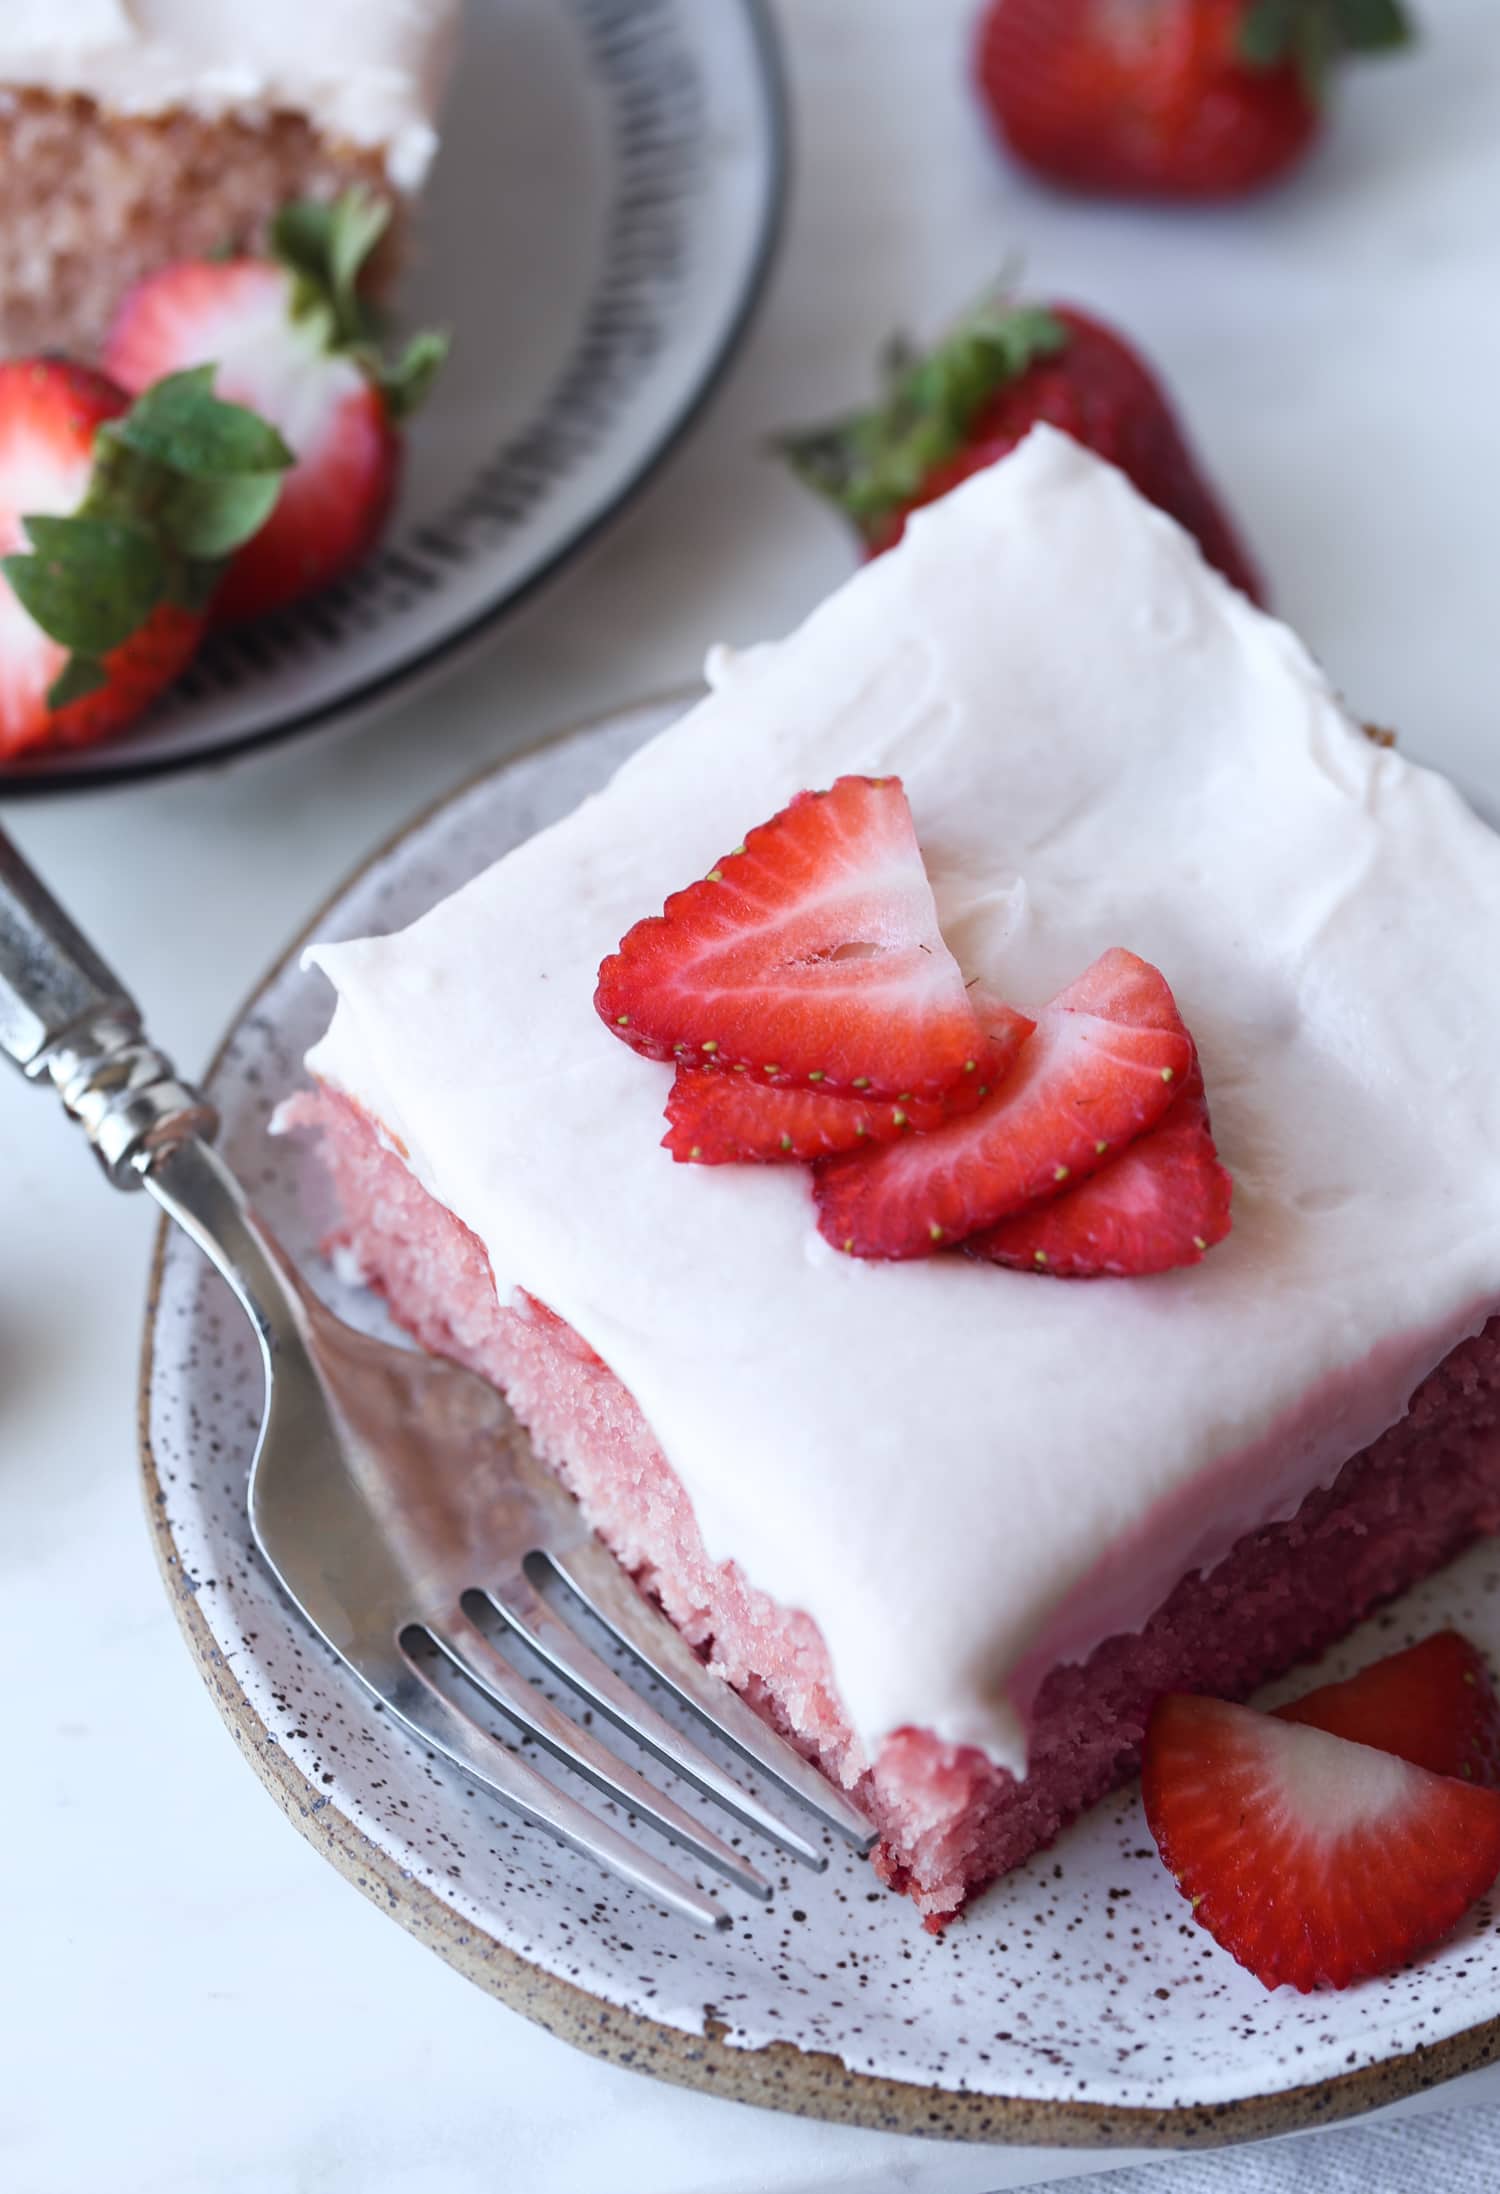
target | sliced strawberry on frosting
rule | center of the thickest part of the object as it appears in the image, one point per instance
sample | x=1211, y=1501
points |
x=1109, y=1055
x=810, y=955
x=719, y=1116
x=1162, y=1203
x=1434, y=1705
x=1312, y=1860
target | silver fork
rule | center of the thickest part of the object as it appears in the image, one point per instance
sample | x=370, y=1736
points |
x=393, y=1494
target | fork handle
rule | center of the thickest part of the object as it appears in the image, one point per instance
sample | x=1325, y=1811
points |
x=67, y=1019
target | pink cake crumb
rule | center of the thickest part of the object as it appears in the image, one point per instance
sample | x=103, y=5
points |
x=950, y=1820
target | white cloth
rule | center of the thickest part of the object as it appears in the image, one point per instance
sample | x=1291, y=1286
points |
x=1451, y=2152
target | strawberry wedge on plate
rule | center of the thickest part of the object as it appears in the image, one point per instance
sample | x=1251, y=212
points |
x=1313, y=1860
x=1434, y=1704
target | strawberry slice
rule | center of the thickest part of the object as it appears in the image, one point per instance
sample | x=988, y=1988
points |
x=1310, y=1859
x=289, y=336
x=1434, y=1705
x=720, y=1116
x=811, y=955
x=1109, y=1055
x=1162, y=1203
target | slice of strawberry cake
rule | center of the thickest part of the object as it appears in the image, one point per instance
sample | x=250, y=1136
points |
x=1019, y=1234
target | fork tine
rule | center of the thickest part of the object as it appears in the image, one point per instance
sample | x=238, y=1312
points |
x=603, y=1586
x=467, y=1647
x=559, y=1644
x=408, y=1693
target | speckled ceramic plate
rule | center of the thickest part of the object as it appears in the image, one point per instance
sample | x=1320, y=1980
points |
x=1074, y=2003
x=596, y=232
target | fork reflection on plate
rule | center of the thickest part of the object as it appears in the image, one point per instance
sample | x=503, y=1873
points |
x=394, y=1495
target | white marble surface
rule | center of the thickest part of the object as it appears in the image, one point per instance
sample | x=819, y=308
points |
x=193, y=2002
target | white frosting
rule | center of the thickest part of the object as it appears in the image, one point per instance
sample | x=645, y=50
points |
x=371, y=71
x=962, y=1473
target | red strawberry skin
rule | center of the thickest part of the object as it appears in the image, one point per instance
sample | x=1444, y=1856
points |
x=809, y=955
x=50, y=411
x=1313, y=1861
x=1162, y=1204
x=1433, y=1704
x=1109, y=1055
x=1099, y=390
x=237, y=316
x=719, y=1116
x=1152, y=100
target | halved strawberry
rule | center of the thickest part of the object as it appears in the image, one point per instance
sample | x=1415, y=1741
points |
x=810, y=955
x=1433, y=1704
x=718, y=1116
x=1108, y=1056
x=289, y=337
x=1311, y=1860
x=1161, y=1204
x=115, y=521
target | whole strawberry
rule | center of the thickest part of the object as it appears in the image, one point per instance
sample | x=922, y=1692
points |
x=971, y=400
x=291, y=338
x=116, y=521
x=1169, y=98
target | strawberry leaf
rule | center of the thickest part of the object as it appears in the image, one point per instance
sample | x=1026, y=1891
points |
x=326, y=247
x=405, y=384
x=90, y=582
x=80, y=676
x=207, y=520
x=1316, y=43
x=874, y=463
x=1268, y=32
x=182, y=424
x=1372, y=26
x=326, y=244
x=1311, y=33
x=359, y=221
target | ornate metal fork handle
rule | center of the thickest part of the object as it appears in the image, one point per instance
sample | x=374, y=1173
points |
x=66, y=1017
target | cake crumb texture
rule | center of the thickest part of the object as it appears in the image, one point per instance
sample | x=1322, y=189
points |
x=91, y=201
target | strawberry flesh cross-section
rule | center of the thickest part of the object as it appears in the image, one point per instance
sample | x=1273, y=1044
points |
x=1434, y=1704
x=810, y=955
x=720, y=1116
x=815, y=1016
x=1160, y=1205
x=1314, y=1861
x=1109, y=1055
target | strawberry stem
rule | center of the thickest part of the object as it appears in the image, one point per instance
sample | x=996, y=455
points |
x=873, y=464
x=1312, y=34
x=326, y=246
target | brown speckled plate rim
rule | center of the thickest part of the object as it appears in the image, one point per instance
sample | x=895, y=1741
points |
x=780, y=2076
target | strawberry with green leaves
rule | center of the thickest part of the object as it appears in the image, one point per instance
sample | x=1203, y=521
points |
x=291, y=337
x=117, y=521
x=967, y=403
x=1186, y=99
